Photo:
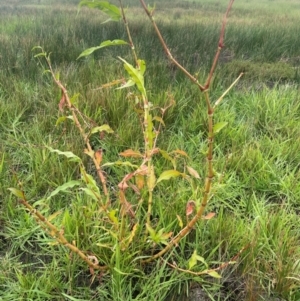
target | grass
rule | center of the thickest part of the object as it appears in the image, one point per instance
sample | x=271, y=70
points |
x=257, y=154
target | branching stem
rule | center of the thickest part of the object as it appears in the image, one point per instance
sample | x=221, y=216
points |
x=78, y=125
x=210, y=111
x=58, y=235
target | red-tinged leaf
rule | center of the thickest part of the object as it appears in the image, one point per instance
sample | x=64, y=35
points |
x=142, y=170
x=193, y=172
x=98, y=156
x=123, y=185
x=131, y=153
x=168, y=174
x=62, y=102
x=190, y=207
x=126, y=206
x=180, y=152
x=209, y=216
x=140, y=181
x=135, y=189
x=155, y=151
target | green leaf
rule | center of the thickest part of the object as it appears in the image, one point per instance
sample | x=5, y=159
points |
x=102, y=45
x=46, y=71
x=136, y=75
x=57, y=75
x=41, y=54
x=151, y=8
x=42, y=204
x=18, y=193
x=214, y=274
x=72, y=298
x=152, y=233
x=218, y=127
x=128, y=84
x=67, y=220
x=37, y=47
x=73, y=99
x=64, y=187
x=112, y=216
x=168, y=174
x=54, y=215
x=109, y=9
x=60, y=120
x=103, y=128
x=193, y=260
x=142, y=65
x=159, y=119
x=120, y=272
x=2, y=163
x=150, y=133
x=113, y=43
x=122, y=163
x=91, y=183
x=87, y=52
x=201, y=259
x=91, y=193
x=90, y=153
x=69, y=155
x=168, y=157
x=179, y=221
x=151, y=179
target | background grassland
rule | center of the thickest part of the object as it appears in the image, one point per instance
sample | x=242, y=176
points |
x=257, y=204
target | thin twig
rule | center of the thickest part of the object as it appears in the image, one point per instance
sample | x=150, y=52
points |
x=78, y=125
x=220, y=267
x=167, y=51
x=58, y=235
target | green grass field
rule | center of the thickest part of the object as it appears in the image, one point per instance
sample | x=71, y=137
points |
x=253, y=240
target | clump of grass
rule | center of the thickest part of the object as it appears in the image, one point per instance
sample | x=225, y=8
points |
x=260, y=72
